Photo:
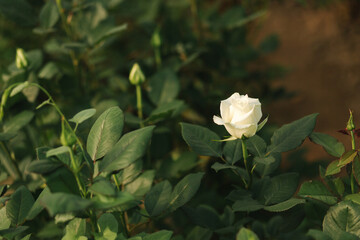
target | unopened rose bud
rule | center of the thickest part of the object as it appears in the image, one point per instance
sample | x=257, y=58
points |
x=350, y=125
x=21, y=60
x=136, y=76
x=155, y=39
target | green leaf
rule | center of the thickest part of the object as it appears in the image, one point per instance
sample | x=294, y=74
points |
x=43, y=166
x=283, y=206
x=49, y=14
x=333, y=168
x=247, y=204
x=342, y=218
x=329, y=143
x=18, y=11
x=62, y=180
x=291, y=135
x=6, y=136
x=347, y=158
x=130, y=148
x=103, y=187
x=19, y=88
x=199, y=233
x=158, y=198
x=246, y=234
x=105, y=32
x=120, y=201
x=105, y=132
x=160, y=235
x=19, y=121
x=5, y=221
x=201, y=140
x=64, y=202
x=108, y=226
x=204, y=216
x=10, y=233
x=185, y=190
x=129, y=173
x=37, y=207
x=316, y=190
x=75, y=229
x=281, y=188
x=356, y=169
x=233, y=151
x=353, y=197
x=140, y=186
x=164, y=87
x=256, y=146
x=83, y=115
x=49, y=71
x=267, y=165
x=318, y=235
x=58, y=151
x=19, y=205
x=165, y=111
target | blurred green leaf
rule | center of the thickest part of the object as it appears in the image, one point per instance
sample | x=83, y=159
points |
x=185, y=190
x=10, y=233
x=49, y=71
x=164, y=87
x=19, y=121
x=108, y=226
x=246, y=234
x=83, y=115
x=18, y=11
x=64, y=202
x=104, y=187
x=141, y=185
x=158, y=198
x=49, y=14
x=75, y=229
x=160, y=235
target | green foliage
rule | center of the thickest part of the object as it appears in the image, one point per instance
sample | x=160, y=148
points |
x=118, y=168
x=201, y=140
x=292, y=135
x=342, y=221
x=105, y=132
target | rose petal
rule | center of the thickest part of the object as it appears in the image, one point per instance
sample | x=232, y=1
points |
x=218, y=120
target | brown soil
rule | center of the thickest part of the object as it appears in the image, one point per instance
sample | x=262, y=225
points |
x=322, y=48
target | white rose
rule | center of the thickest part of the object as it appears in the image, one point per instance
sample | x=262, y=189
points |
x=240, y=115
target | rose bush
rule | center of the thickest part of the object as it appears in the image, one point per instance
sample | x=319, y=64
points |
x=240, y=115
